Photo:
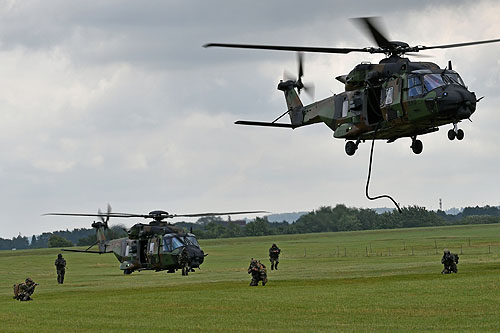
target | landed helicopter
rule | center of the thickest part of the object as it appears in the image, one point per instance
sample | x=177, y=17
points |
x=156, y=246
x=393, y=99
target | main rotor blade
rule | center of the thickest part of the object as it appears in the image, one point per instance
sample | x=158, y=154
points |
x=447, y=46
x=369, y=25
x=217, y=214
x=124, y=215
x=288, y=48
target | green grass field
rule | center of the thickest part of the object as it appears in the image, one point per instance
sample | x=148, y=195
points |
x=385, y=280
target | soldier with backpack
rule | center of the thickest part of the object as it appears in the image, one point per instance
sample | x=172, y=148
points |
x=23, y=291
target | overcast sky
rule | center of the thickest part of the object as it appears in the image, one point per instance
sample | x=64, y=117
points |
x=116, y=101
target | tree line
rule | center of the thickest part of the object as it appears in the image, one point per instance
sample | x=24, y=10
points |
x=342, y=218
x=324, y=219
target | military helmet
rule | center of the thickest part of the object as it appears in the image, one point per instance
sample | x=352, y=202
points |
x=29, y=280
x=446, y=251
x=274, y=245
x=59, y=255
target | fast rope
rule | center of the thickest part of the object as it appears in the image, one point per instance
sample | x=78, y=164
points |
x=370, y=173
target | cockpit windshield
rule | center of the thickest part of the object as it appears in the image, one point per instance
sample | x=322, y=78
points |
x=171, y=243
x=191, y=240
x=454, y=78
x=431, y=81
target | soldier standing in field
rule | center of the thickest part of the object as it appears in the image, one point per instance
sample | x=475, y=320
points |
x=450, y=261
x=184, y=261
x=274, y=256
x=61, y=268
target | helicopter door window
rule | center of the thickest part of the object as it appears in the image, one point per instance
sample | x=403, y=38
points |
x=167, y=244
x=389, y=92
x=151, y=247
x=345, y=108
x=127, y=250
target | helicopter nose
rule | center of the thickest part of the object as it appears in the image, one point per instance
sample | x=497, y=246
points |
x=457, y=101
x=196, y=256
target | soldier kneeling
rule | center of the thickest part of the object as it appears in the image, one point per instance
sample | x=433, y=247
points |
x=258, y=271
x=23, y=291
x=450, y=261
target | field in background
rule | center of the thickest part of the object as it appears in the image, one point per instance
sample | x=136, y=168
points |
x=386, y=280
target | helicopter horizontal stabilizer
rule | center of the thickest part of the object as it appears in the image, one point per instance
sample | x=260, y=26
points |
x=265, y=124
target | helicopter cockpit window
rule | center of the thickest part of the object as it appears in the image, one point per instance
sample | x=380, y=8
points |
x=176, y=243
x=454, y=78
x=191, y=240
x=414, y=86
x=432, y=81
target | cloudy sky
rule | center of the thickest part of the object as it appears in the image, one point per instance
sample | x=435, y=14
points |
x=116, y=101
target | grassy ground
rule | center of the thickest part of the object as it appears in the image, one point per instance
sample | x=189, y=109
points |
x=386, y=280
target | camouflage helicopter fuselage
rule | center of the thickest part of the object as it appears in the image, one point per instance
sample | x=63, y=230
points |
x=155, y=246
x=394, y=99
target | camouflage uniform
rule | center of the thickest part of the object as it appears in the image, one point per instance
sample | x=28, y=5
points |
x=450, y=261
x=258, y=271
x=23, y=291
x=274, y=256
x=61, y=268
x=184, y=261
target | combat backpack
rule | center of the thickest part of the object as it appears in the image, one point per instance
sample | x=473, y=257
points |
x=16, y=289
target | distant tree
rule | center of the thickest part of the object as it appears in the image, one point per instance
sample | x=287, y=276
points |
x=214, y=230
x=20, y=242
x=116, y=231
x=57, y=241
x=33, y=244
x=232, y=230
x=480, y=219
x=87, y=241
x=5, y=244
x=43, y=240
x=209, y=219
x=258, y=227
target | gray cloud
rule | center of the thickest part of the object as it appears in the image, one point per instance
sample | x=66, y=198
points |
x=118, y=102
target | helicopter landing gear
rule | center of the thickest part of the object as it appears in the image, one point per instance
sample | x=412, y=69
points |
x=351, y=147
x=455, y=133
x=127, y=272
x=416, y=145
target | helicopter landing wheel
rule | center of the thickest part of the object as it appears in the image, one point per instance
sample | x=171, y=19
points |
x=350, y=148
x=127, y=272
x=452, y=135
x=417, y=146
x=460, y=134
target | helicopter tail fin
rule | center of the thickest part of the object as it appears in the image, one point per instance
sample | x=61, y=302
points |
x=294, y=105
x=293, y=102
x=101, y=239
x=100, y=235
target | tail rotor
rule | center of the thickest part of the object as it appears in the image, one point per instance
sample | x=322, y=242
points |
x=309, y=88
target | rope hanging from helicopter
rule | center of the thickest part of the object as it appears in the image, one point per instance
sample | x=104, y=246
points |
x=370, y=173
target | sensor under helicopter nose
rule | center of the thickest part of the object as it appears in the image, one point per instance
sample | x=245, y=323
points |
x=457, y=101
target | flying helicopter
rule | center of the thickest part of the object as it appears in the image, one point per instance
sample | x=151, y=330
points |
x=394, y=99
x=156, y=245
